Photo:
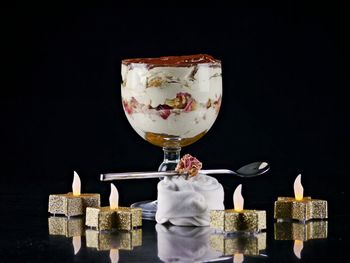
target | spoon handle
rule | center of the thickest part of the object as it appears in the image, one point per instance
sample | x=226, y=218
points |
x=217, y=171
x=146, y=175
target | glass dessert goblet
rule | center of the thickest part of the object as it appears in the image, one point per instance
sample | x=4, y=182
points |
x=171, y=101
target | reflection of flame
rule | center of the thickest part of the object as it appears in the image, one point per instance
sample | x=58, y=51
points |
x=298, y=247
x=238, y=258
x=238, y=200
x=298, y=188
x=76, y=244
x=114, y=197
x=76, y=184
x=114, y=255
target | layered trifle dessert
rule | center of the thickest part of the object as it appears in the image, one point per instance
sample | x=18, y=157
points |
x=171, y=100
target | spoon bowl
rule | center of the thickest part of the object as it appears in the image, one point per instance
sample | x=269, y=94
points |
x=253, y=169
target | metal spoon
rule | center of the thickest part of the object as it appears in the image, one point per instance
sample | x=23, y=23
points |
x=249, y=170
x=253, y=169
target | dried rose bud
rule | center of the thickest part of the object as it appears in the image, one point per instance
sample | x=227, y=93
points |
x=189, y=165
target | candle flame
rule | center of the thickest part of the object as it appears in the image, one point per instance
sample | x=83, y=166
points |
x=298, y=188
x=114, y=197
x=76, y=184
x=238, y=200
x=76, y=244
x=298, y=247
x=114, y=255
x=238, y=258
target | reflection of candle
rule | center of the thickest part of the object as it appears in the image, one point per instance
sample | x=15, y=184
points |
x=76, y=244
x=114, y=255
x=121, y=240
x=113, y=216
x=239, y=243
x=300, y=208
x=73, y=204
x=69, y=227
x=238, y=258
x=296, y=230
x=298, y=247
x=300, y=232
x=238, y=219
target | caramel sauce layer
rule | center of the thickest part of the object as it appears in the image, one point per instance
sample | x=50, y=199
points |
x=162, y=140
x=174, y=61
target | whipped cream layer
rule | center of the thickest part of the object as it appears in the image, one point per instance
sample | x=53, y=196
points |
x=184, y=125
x=153, y=86
x=181, y=100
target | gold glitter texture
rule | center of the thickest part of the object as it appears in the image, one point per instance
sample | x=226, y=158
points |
x=289, y=208
x=65, y=204
x=123, y=218
x=90, y=200
x=300, y=231
x=102, y=218
x=70, y=205
x=232, y=221
x=250, y=245
x=128, y=218
x=66, y=227
x=123, y=240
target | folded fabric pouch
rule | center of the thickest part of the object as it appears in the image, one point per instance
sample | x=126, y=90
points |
x=187, y=202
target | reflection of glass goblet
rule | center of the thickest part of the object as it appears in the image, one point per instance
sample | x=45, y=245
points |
x=171, y=101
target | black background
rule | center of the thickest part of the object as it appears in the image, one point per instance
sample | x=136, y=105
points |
x=284, y=83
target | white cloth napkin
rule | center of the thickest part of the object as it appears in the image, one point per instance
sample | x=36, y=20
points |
x=188, y=202
x=185, y=244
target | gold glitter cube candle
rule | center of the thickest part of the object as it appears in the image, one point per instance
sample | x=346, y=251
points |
x=89, y=200
x=288, y=208
x=124, y=240
x=59, y=225
x=301, y=231
x=238, y=219
x=113, y=216
x=66, y=204
x=102, y=218
x=250, y=245
x=231, y=220
x=128, y=218
x=71, y=205
x=122, y=218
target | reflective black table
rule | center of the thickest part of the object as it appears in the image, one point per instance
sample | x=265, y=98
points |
x=29, y=234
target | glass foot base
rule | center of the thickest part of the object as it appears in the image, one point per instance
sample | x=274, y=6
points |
x=149, y=209
x=170, y=161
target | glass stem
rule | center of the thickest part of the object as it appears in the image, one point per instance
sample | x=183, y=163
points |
x=171, y=158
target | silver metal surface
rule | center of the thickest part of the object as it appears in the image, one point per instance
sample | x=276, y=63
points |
x=146, y=175
x=248, y=170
